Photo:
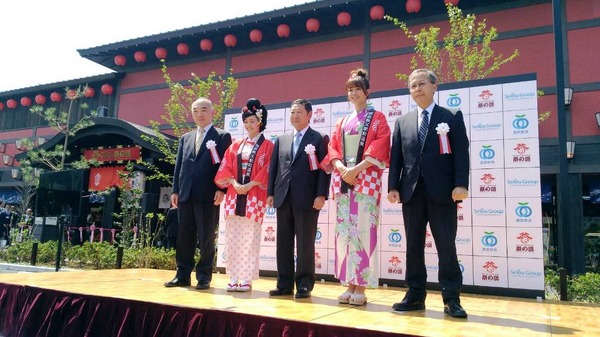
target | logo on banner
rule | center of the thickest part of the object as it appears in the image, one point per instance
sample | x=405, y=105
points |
x=460, y=216
x=395, y=267
x=524, y=246
x=273, y=138
x=522, y=182
x=520, y=124
x=428, y=241
x=395, y=238
x=453, y=101
x=234, y=123
x=319, y=117
x=487, y=154
x=269, y=237
x=318, y=260
x=486, y=99
x=319, y=234
x=395, y=109
x=520, y=96
x=461, y=266
x=522, y=156
x=488, y=212
x=523, y=212
x=270, y=210
x=489, y=242
x=488, y=183
x=490, y=274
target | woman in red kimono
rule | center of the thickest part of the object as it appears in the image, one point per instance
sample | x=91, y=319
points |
x=358, y=153
x=244, y=172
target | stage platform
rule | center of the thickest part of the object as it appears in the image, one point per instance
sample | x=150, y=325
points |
x=133, y=302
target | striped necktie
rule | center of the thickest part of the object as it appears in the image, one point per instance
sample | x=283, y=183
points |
x=423, y=128
x=199, y=135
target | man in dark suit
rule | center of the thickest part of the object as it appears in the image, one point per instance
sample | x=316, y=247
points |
x=196, y=195
x=298, y=189
x=429, y=173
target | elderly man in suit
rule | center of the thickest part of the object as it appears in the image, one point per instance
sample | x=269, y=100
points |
x=429, y=173
x=298, y=189
x=196, y=195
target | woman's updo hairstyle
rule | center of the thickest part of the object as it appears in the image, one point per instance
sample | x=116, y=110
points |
x=358, y=79
x=254, y=108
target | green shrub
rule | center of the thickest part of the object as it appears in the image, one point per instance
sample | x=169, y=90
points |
x=95, y=255
x=584, y=288
x=580, y=288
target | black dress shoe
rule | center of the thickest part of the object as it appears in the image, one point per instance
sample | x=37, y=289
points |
x=178, y=282
x=302, y=292
x=453, y=309
x=409, y=305
x=280, y=292
x=203, y=285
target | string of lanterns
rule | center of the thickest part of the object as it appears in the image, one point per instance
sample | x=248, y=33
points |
x=344, y=19
x=55, y=97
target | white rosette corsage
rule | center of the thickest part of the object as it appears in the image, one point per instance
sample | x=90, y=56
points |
x=442, y=131
x=212, y=147
x=312, y=157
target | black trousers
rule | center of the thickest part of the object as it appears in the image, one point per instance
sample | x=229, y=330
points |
x=197, y=225
x=419, y=210
x=300, y=224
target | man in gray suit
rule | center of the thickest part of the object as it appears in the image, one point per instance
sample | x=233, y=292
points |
x=196, y=195
x=298, y=189
x=429, y=173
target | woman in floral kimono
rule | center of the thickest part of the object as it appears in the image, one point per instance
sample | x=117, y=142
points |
x=358, y=153
x=244, y=172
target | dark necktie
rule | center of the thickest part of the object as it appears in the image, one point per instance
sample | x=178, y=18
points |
x=423, y=128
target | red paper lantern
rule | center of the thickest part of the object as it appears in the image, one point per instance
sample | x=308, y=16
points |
x=343, y=19
x=160, y=53
x=1, y=105
x=183, y=49
x=377, y=12
x=413, y=6
x=89, y=92
x=255, y=35
x=283, y=30
x=11, y=103
x=107, y=89
x=120, y=60
x=55, y=97
x=230, y=40
x=205, y=44
x=71, y=93
x=139, y=56
x=312, y=25
x=453, y=2
x=25, y=101
x=40, y=99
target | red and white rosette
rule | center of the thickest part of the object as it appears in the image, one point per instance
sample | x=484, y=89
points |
x=212, y=147
x=312, y=157
x=442, y=131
